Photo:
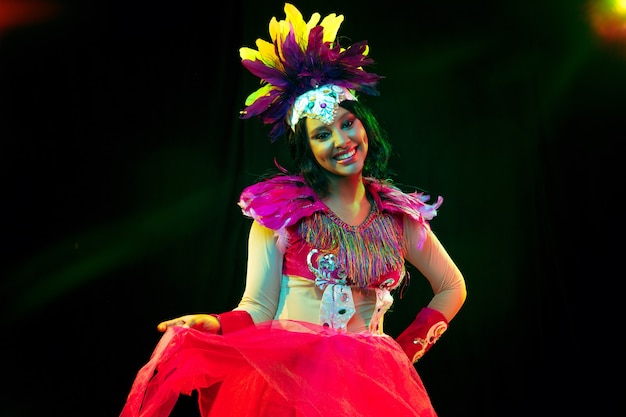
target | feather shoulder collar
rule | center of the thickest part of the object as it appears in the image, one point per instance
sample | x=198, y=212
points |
x=283, y=200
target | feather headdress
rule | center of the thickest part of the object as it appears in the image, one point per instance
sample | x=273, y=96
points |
x=304, y=63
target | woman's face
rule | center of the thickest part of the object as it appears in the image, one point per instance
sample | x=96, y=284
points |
x=341, y=147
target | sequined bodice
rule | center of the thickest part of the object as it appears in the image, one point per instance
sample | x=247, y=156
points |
x=364, y=256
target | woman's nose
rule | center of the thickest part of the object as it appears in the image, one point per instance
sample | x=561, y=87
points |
x=340, y=138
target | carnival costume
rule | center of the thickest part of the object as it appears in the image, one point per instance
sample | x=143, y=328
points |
x=307, y=337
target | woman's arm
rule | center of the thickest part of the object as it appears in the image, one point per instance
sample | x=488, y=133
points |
x=446, y=281
x=434, y=262
x=263, y=275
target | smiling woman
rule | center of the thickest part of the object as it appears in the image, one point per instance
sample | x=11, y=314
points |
x=326, y=252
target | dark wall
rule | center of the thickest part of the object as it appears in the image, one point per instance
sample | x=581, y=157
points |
x=122, y=158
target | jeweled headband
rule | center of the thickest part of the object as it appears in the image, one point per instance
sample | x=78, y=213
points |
x=304, y=71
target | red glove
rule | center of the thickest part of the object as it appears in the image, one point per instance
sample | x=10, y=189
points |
x=234, y=320
x=425, y=330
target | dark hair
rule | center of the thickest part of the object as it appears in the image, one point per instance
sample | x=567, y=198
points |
x=379, y=149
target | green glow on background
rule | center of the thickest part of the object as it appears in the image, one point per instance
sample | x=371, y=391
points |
x=75, y=261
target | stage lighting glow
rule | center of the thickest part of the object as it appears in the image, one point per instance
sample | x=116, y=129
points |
x=608, y=20
x=15, y=13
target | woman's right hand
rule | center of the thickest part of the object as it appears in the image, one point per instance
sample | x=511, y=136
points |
x=204, y=322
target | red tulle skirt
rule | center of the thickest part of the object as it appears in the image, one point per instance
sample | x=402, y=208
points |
x=280, y=368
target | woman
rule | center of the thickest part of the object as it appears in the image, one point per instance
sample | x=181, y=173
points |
x=327, y=249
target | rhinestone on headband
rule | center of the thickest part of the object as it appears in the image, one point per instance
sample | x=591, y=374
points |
x=320, y=103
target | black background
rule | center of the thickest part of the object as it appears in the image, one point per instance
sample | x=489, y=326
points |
x=122, y=159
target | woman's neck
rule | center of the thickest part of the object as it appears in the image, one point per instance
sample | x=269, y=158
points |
x=347, y=198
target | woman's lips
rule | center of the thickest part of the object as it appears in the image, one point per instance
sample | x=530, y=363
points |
x=346, y=156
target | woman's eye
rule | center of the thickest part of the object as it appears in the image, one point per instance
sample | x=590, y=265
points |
x=348, y=123
x=322, y=136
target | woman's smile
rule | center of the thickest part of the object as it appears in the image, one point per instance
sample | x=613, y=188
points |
x=346, y=157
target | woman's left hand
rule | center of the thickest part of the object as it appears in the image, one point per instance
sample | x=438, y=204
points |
x=204, y=322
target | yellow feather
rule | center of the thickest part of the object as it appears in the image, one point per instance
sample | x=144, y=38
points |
x=263, y=91
x=266, y=53
x=274, y=29
x=249, y=53
x=331, y=25
x=292, y=14
x=313, y=21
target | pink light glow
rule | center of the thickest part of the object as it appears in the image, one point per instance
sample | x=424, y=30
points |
x=15, y=13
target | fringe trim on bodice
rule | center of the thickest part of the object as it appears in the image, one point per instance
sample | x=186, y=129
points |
x=367, y=252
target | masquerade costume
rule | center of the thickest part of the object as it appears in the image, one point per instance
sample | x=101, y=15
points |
x=307, y=337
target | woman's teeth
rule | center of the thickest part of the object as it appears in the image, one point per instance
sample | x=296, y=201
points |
x=345, y=155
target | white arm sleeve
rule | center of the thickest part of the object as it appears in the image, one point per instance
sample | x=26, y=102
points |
x=435, y=264
x=263, y=275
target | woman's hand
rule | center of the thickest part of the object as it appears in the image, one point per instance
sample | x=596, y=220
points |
x=204, y=322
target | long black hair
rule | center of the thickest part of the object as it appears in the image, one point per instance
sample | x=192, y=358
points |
x=379, y=149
